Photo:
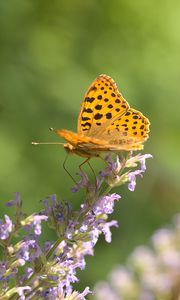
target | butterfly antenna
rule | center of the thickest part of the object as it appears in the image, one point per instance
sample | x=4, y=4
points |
x=46, y=143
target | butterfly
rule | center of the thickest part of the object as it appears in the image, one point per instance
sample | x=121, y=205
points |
x=106, y=123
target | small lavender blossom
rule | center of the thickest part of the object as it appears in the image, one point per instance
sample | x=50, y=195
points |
x=28, y=250
x=105, y=204
x=84, y=182
x=33, y=223
x=21, y=290
x=27, y=274
x=114, y=175
x=106, y=230
x=132, y=179
x=17, y=201
x=5, y=227
x=113, y=167
x=132, y=162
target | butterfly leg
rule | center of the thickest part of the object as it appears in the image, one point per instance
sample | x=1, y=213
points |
x=87, y=161
x=83, y=163
x=64, y=167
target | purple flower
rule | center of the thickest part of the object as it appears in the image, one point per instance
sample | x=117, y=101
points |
x=7, y=272
x=79, y=296
x=110, y=174
x=62, y=249
x=3, y=267
x=132, y=179
x=105, y=204
x=29, y=250
x=23, y=251
x=84, y=293
x=112, y=168
x=84, y=182
x=35, y=250
x=70, y=229
x=37, y=223
x=94, y=235
x=87, y=248
x=27, y=274
x=142, y=160
x=57, y=212
x=17, y=201
x=34, y=223
x=106, y=229
x=5, y=228
x=54, y=199
x=47, y=246
x=21, y=290
x=134, y=160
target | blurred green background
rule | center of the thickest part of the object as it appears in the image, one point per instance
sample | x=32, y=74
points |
x=50, y=52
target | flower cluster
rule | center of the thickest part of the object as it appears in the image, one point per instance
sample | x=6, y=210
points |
x=151, y=272
x=31, y=269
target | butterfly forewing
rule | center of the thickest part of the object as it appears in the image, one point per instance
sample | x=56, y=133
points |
x=102, y=104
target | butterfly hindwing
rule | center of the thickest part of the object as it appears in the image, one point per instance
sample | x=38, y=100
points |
x=133, y=124
x=127, y=132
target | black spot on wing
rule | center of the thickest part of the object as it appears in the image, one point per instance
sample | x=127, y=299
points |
x=98, y=107
x=98, y=116
x=88, y=110
x=110, y=106
x=85, y=118
x=127, y=113
x=108, y=116
x=93, y=88
x=123, y=105
x=135, y=117
x=90, y=100
x=86, y=124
